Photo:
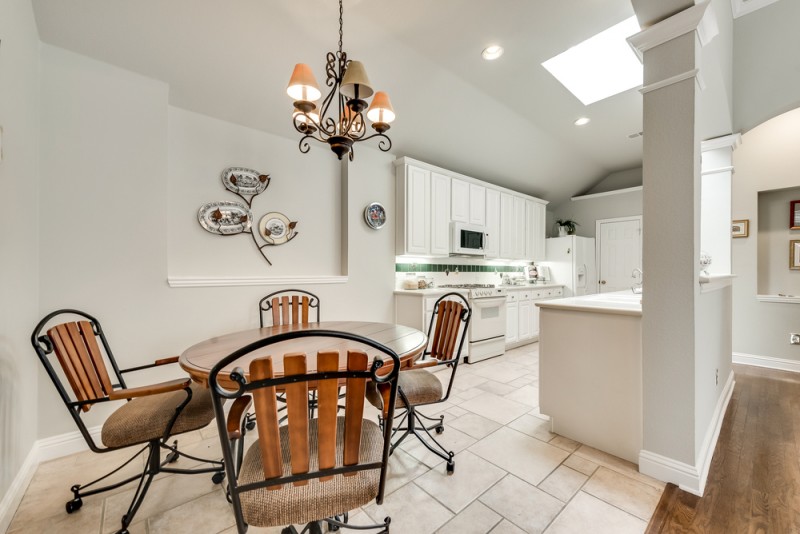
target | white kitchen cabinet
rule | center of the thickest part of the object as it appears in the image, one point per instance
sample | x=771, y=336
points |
x=460, y=204
x=535, y=214
x=522, y=325
x=512, y=318
x=423, y=208
x=477, y=204
x=440, y=207
x=512, y=227
x=492, y=248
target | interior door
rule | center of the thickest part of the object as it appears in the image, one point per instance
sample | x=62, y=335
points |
x=620, y=252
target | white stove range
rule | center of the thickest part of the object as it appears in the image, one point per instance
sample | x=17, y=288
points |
x=487, y=328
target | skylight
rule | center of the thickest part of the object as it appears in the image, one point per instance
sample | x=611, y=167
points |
x=601, y=66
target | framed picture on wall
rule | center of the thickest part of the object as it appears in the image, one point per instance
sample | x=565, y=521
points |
x=794, y=215
x=740, y=228
x=794, y=254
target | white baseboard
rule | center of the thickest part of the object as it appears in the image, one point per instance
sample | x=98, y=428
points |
x=766, y=361
x=691, y=478
x=41, y=451
x=15, y=492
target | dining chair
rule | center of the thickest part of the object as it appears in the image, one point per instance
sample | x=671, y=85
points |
x=289, y=306
x=418, y=386
x=151, y=415
x=309, y=471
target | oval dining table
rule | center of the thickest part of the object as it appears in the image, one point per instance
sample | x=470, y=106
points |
x=199, y=359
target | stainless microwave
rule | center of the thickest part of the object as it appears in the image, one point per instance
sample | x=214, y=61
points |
x=468, y=239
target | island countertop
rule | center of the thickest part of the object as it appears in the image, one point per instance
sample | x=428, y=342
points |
x=618, y=302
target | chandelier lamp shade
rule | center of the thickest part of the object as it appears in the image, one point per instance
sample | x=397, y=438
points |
x=339, y=120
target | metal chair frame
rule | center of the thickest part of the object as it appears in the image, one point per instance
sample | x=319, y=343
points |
x=239, y=396
x=44, y=348
x=414, y=424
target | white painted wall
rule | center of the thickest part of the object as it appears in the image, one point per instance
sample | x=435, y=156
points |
x=767, y=159
x=115, y=158
x=587, y=212
x=617, y=180
x=774, y=235
x=19, y=247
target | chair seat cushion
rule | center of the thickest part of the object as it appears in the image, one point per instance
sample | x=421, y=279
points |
x=316, y=500
x=418, y=385
x=146, y=418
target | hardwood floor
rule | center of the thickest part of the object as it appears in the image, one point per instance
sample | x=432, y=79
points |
x=754, y=481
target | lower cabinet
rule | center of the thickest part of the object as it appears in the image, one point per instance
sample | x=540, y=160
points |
x=522, y=314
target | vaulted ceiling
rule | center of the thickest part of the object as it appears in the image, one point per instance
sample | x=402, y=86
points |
x=508, y=121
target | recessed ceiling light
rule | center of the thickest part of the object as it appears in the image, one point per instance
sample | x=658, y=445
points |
x=601, y=66
x=582, y=121
x=492, y=52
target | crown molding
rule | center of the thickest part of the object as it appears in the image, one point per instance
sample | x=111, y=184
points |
x=696, y=18
x=743, y=7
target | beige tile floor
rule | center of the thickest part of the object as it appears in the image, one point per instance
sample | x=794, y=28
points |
x=512, y=475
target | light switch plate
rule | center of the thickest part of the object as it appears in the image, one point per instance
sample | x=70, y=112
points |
x=794, y=339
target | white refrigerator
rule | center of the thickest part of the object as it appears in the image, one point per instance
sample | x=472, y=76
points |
x=571, y=261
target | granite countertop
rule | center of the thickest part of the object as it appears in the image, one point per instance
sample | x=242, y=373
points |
x=442, y=290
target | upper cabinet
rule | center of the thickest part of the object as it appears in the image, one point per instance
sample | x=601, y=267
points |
x=429, y=199
x=468, y=202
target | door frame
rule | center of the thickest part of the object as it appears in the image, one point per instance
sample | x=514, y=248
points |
x=599, y=244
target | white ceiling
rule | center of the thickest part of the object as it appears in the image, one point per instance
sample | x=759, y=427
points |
x=508, y=121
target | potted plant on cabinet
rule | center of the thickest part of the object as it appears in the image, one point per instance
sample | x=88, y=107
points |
x=566, y=227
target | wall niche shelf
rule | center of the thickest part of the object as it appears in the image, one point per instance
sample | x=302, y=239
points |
x=785, y=299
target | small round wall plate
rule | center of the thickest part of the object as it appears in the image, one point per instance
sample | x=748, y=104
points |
x=375, y=215
x=275, y=228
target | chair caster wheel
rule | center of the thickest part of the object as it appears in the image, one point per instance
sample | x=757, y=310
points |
x=440, y=429
x=250, y=425
x=451, y=467
x=218, y=477
x=74, y=505
x=172, y=457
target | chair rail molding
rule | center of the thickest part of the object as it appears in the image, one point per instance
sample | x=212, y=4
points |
x=231, y=281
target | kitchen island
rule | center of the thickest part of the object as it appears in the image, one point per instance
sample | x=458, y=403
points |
x=590, y=370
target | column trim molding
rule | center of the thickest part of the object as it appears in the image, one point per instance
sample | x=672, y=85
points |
x=688, y=20
x=669, y=81
x=731, y=141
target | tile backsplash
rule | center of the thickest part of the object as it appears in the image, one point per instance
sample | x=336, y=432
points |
x=455, y=273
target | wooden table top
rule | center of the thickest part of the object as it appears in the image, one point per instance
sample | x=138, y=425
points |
x=199, y=359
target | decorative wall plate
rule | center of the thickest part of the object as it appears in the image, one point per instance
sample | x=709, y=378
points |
x=244, y=181
x=275, y=228
x=375, y=215
x=225, y=217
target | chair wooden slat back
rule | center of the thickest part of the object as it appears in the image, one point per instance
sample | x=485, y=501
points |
x=288, y=308
x=266, y=408
x=298, y=415
x=448, y=322
x=81, y=360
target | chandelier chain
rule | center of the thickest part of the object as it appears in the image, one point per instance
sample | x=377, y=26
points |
x=341, y=23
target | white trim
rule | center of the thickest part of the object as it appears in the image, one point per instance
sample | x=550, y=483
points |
x=743, y=7
x=718, y=170
x=230, y=281
x=778, y=298
x=65, y=444
x=714, y=282
x=767, y=361
x=608, y=193
x=669, y=81
x=726, y=141
x=668, y=29
x=689, y=477
x=15, y=492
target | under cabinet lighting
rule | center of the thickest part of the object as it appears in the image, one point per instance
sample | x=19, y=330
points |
x=601, y=66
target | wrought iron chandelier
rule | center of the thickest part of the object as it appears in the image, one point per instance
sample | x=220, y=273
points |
x=340, y=121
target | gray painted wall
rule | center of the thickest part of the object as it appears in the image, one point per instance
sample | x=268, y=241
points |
x=774, y=235
x=588, y=211
x=19, y=245
x=767, y=160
